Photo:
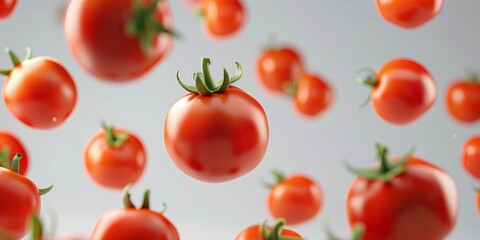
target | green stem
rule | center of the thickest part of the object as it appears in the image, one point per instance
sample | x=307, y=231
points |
x=127, y=201
x=37, y=229
x=113, y=139
x=207, y=77
x=370, y=80
x=146, y=200
x=15, y=60
x=16, y=162
x=4, y=157
x=276, y=232
x=358, y=231
x=473, y=78
x=278, y=176
x=44, y=191
x=382, y=152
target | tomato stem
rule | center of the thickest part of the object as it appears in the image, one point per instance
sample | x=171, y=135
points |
x=127, y=201
x=37, y=229
x=146, y=200
x=207, y=76
x=15, y=59
x=46, y=190
x=278, y=176
x=358, y=231
x=382, y=154
x=276, y=232
x=473, y=78
x=370, y=80
x=114, y=140
x=4, y=153
x=16, y=162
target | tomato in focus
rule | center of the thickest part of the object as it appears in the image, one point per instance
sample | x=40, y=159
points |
x=409, y=14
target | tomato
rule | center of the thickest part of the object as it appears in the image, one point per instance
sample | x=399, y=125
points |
x=37, y=232
x=9, y=146
x=134, y=223
x=471, y=156
x=278, y=67
x=463, y=100
x=402, y=91
x=6, y=8
x=478, y=200
x=297, y=199
x=114, y=158
x=39, y=92
x=118, y=40
x=406, y=199
x=313, y=95
x=409, y=13
x=277, y=232
x=230, y=133
x=223, y=17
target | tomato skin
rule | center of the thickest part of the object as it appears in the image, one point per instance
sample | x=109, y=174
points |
x=228, y=139
x=278, y=67
x=419, y=204
x=40, y=93
x=409, y=14
x=6, y=8
x=471, y=156
x=114, y=167
x=478, y=202
x=223, y=17
x=463, y=101
x=125, y=224
x=405, y=90
x=19, y=202
x=313, y=96
x=11, y=141
x=95, y=33
x=253, y=233
x=297, y=199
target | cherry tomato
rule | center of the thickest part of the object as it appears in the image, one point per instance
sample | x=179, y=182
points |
x=409, y=13
x=39, y=92
x=463, y=100
x=114, y=158
x=404, y=199
x=313, y=95
x=471, y=156
x=118, y=40
x=223, y=17
x=134, y=223
x=9, y=146
x=6, y=8
x=402, y=91
x=279, y=67
x=297, y=199
x=216, y=133
x=255, y=233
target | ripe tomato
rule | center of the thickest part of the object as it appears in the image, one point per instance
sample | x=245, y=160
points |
x=463, y=100
x=230, y=133
x=405, y=199
x=279, y=67
x=223, y=17
x=312, y=95
x=114, y=158
x=9, y=146
x=297, y=199
x=409, y=13
x=262, y=232
x=471, y=156
x=6, y=8
x=39, y=92
x=118, y=40
x=134, y=223
x=402, y=91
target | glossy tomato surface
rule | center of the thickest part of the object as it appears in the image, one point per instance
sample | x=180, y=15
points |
x=12, y=142
x=463, y=101
x=471, y=156
x=223, y=17
x=6, y=8
x=253, y=233
x=313, y=95
x=409, y=13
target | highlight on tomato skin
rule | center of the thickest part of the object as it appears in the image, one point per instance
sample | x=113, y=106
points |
x=223, y=18
x=462, y=99
x=471, y=156
x=6, y=8
x=409, y=14
x=10, y=144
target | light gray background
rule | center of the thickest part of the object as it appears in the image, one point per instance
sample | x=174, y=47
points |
x=335, y=37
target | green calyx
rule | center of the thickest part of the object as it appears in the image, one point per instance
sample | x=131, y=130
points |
x=204, y=84
x=278, y=176
x=15, y=60
x=143, y=25
x=388, y=169
x=37, y=228
x=4, y=160
x=113, y=139
x=275, y=233
x=473, y=78
x=15, y=166
x=127, y=201
x=369, y=80
x=357, y=232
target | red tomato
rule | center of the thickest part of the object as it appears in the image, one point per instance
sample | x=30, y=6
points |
x=313, y=95
x=9, y=146
x=134, y=223
x=229, y=136
x=409, y=13
x=463, y=100
x=39, y=92
x=297, y=199
x=402, y=91
x=471, y=156
x=279, y=67
x=255, y=233
x=110, y=40
x=114, y=158
x=6, y=8
x=223, y=17
x=412, y=200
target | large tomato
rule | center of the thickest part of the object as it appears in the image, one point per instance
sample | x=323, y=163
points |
x=217, y=132
x=312, y=95
x=134, y=223
x=296, y=198
x=463, y=100
x=471, y=156
x=404, y=199
x=263, y=232
x=6, y=8
x=39, y=92
x=114, y=158
x=223, y=17
x=118, y=40
x=9, y=146
x=409, y=13
x=402, y=91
